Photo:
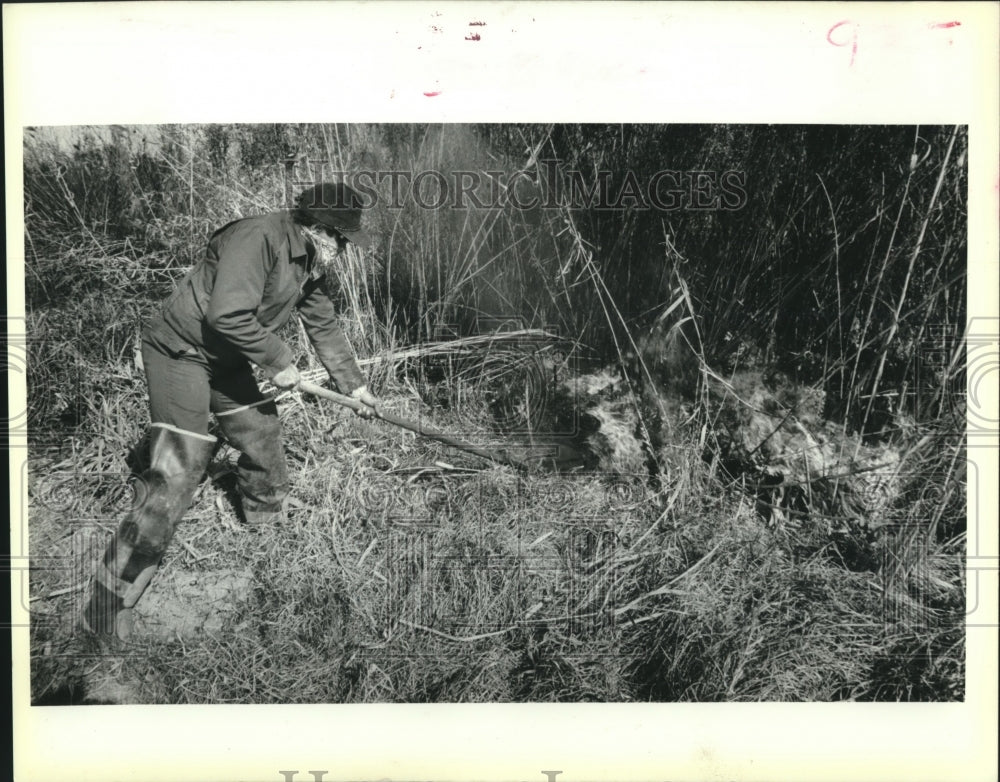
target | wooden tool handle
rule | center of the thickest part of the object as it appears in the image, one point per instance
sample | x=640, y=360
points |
x=422, y=429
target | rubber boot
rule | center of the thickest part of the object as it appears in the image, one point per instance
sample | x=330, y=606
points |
x=261, y=472
x=177, y=461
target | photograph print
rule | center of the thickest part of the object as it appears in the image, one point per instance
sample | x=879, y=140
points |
x=500, y=413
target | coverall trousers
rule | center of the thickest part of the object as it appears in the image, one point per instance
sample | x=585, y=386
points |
x=184, y=389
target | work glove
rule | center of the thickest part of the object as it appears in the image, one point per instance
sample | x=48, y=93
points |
x=368, y=399
x=287, y=377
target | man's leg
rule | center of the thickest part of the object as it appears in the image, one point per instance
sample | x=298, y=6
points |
x=180, y=449
x=249, y=421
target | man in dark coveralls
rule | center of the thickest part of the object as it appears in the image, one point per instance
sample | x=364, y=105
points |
x=197, y=353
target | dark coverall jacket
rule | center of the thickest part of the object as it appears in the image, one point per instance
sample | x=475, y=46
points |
x=255, y=271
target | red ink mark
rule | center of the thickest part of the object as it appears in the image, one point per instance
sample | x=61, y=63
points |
x=945, y=25
x=852, y=41
x=473, y=37
x=477, y=24
x=432, y=94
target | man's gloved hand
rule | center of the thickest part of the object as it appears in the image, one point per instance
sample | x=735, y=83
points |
x=368, y=399
x=287, y=377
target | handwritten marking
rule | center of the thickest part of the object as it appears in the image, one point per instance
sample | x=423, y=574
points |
x=432, y=94
x=852, y=41
x=944, y=25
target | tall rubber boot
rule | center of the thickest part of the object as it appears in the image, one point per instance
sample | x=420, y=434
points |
x=177, y=462
x=261, y=472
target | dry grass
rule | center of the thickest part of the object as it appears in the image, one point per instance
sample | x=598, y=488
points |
x=397, y=581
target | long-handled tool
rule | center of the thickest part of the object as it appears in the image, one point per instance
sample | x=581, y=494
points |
x=422, y=429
